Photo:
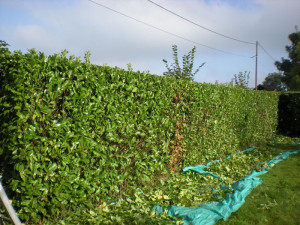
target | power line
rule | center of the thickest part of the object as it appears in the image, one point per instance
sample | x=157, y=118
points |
x=266, y=52
x=267, y=67
x=167, y=32
x=223, y=35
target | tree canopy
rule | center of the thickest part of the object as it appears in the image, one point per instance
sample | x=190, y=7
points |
x=274, y=80
x=291, y=67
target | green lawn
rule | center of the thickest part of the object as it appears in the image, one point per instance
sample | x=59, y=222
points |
x=277, y=200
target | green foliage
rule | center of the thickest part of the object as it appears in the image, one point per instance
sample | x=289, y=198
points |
x=289, y=114
x=73, y=133
x=291, y=66
x=186, y=72
x=274, y=80
x=241, y=79
x=3, y=45
x=185, y=189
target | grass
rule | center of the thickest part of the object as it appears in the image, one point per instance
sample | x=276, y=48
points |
x=277, y=200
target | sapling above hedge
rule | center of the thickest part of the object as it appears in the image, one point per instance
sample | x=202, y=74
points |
x=76, y=133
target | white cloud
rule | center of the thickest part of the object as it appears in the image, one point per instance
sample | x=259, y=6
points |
x=79, y=26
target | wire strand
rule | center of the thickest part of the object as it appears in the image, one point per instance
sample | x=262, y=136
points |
x=167, y=32
x=210, y=30
x=259, y=44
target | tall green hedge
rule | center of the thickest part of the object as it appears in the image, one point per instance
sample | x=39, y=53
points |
x=75, y=133
x=289, y=114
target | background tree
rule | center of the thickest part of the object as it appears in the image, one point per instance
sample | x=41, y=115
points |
x=291, y=66
x=186, y=72
x=241, y=79
x=274, y=80
x=3, y=46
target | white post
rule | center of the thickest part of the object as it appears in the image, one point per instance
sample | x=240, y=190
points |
x=8, y=206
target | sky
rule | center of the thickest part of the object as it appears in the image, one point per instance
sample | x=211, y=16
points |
x=142, y=34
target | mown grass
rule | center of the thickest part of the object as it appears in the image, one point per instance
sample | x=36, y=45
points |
x=277, y=200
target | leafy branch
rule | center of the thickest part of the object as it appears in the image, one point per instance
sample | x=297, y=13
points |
x=186, y=72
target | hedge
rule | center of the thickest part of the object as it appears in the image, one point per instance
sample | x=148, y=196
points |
x=75, y=133
x=289, y=114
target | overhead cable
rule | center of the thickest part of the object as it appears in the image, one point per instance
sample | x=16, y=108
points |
x=210, y=30
x=167, y=32
x=268, y=67
x=266, y=52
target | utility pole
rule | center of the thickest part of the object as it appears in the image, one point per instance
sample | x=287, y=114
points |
x=256, y=46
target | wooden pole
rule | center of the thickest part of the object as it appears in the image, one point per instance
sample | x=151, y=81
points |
x=256, y=46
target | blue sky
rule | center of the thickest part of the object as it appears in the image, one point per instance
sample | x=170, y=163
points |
x=80, y=26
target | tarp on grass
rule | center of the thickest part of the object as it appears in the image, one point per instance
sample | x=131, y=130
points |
x=201, y=168
x=210, y=213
